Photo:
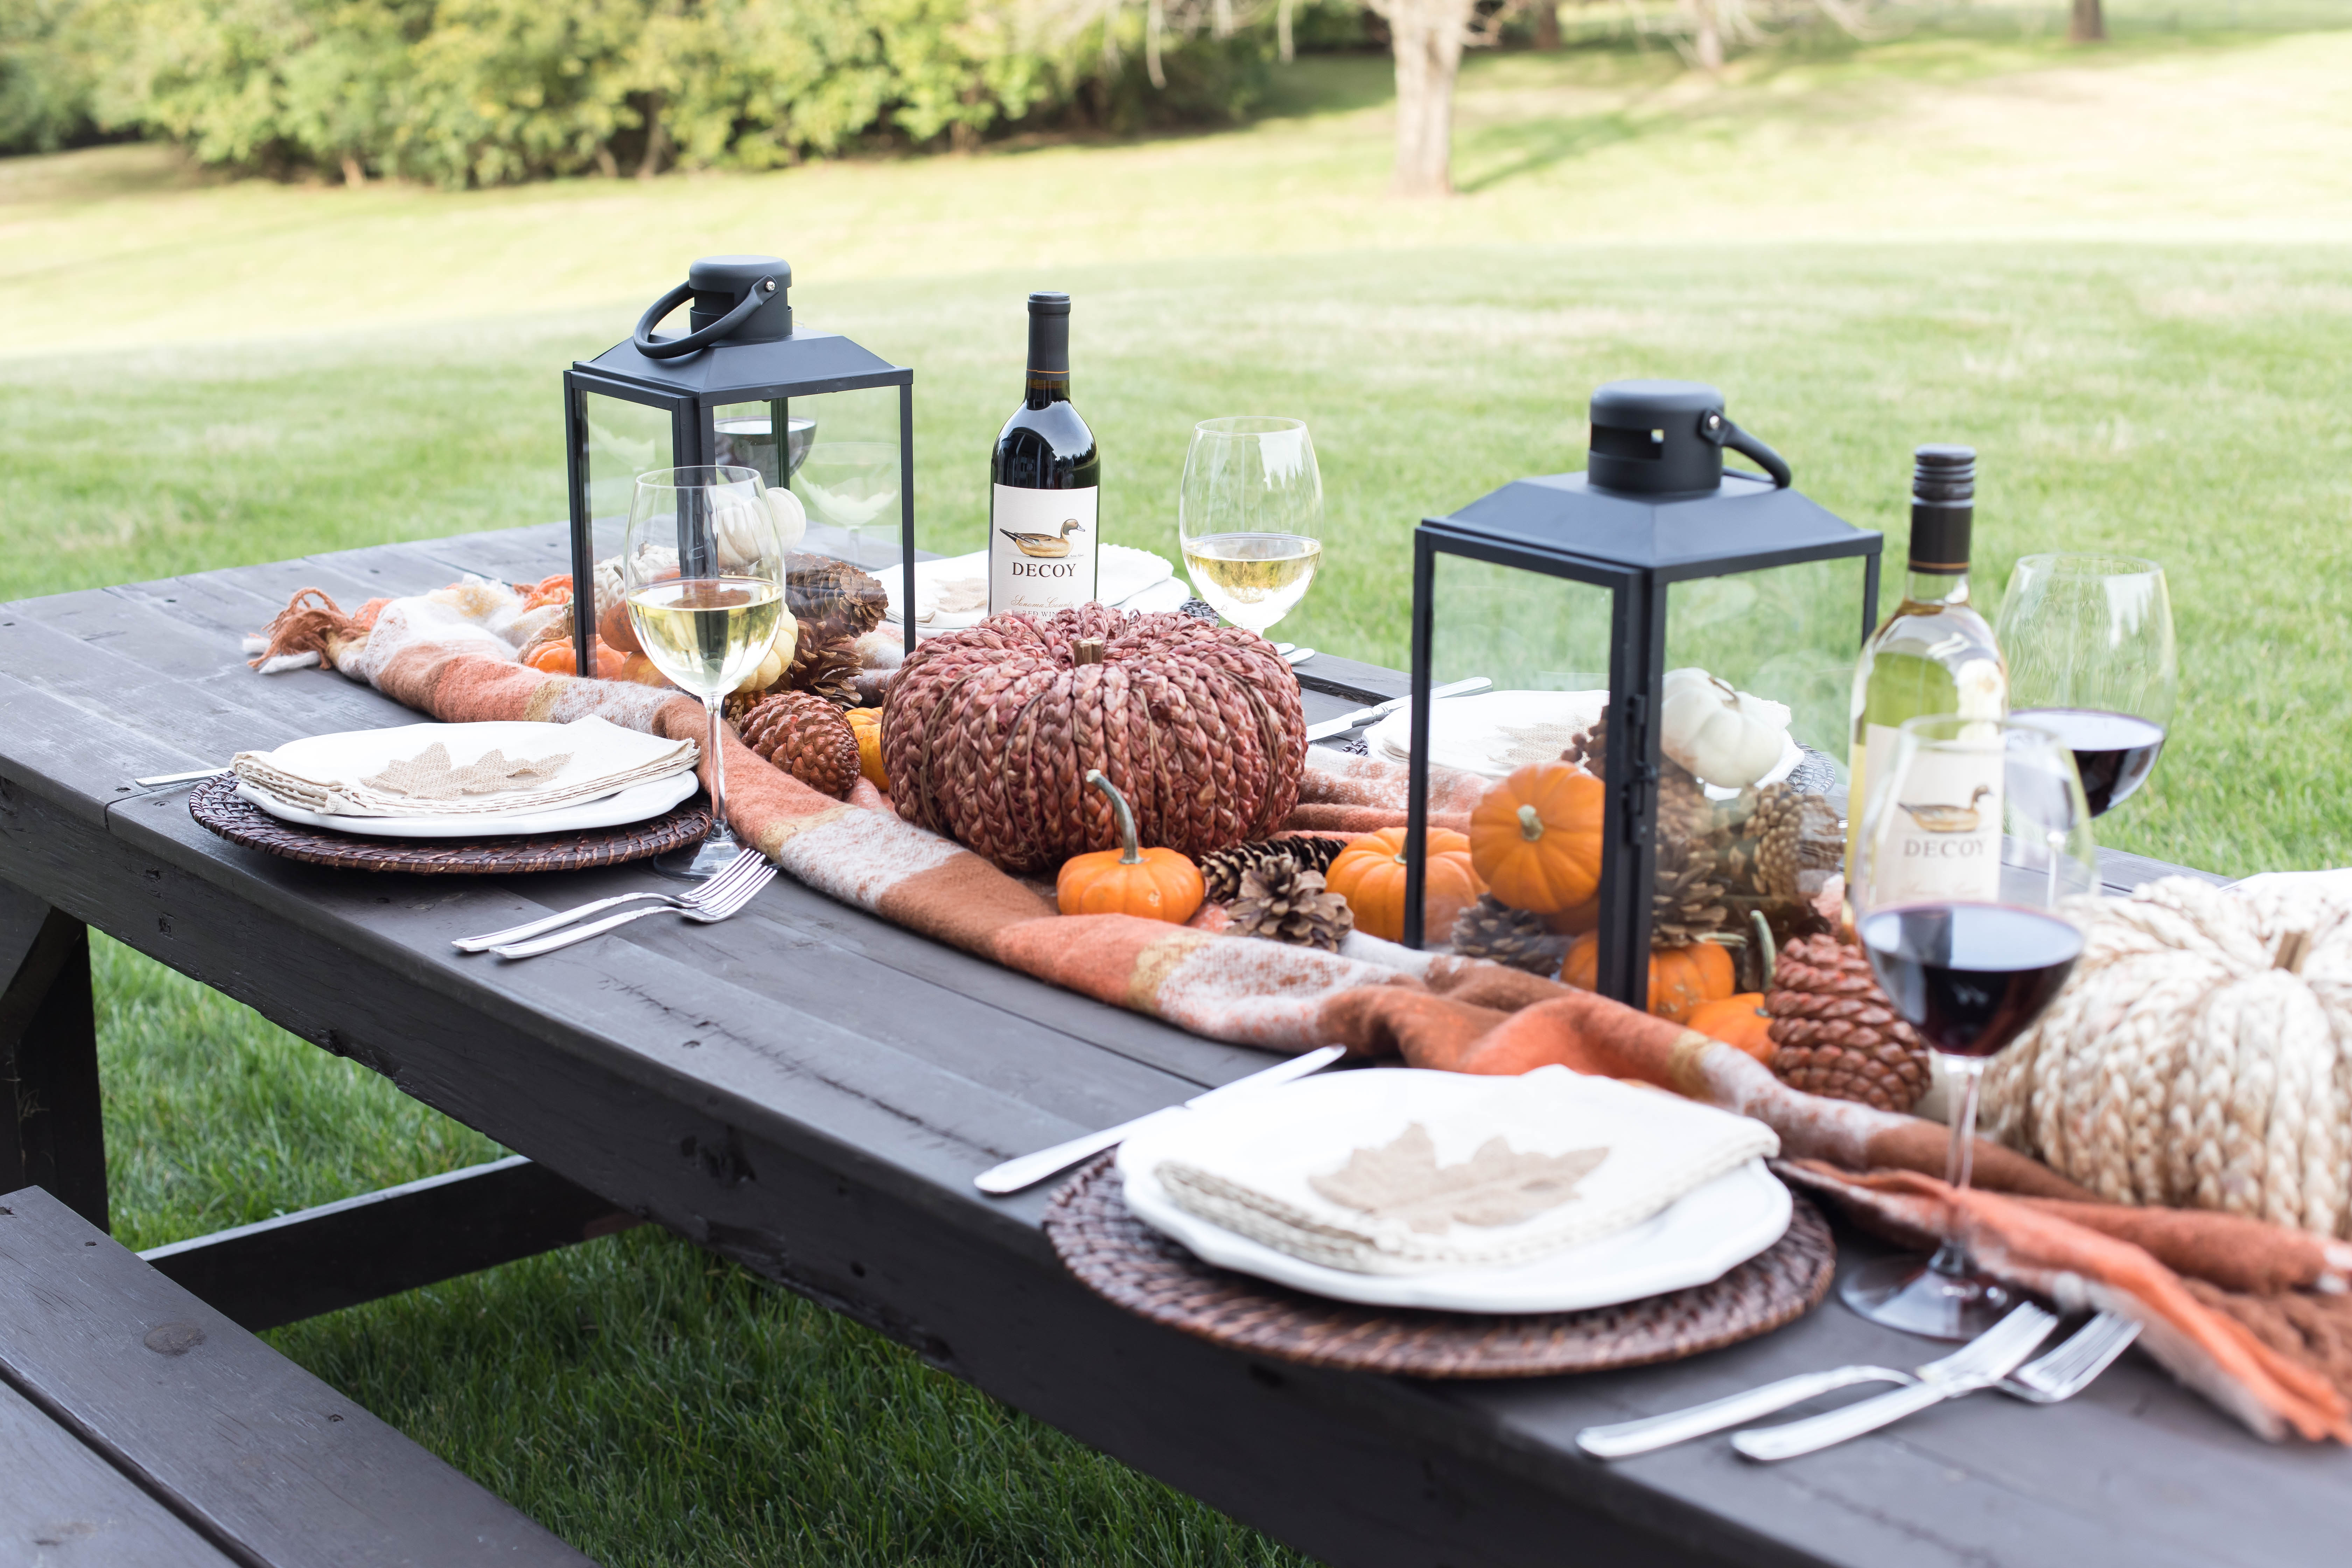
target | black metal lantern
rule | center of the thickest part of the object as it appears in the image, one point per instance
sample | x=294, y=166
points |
x=1578, y=594
x=811, y=411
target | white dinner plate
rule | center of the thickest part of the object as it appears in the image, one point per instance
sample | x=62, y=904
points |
x=634, y=804
x=1709, y=1230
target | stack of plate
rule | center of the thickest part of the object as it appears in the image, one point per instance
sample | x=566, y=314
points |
x=1318, y=1123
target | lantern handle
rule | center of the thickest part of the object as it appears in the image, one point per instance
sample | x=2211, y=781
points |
x=1717, y=430
x=757, y=295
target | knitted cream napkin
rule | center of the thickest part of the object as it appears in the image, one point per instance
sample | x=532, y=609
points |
x=1421, y=1171
x=496, y=769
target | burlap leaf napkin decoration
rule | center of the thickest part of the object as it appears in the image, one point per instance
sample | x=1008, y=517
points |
x=1403, y=1181
x=1403, y=1172
x=430, y=775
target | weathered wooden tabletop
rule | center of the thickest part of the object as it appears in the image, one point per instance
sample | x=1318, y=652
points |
x=810, y=1091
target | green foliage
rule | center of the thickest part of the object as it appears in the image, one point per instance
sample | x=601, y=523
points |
x=483, y=92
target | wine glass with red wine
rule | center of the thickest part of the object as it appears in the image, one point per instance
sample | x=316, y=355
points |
x=2088, y=640
x=1976, y=840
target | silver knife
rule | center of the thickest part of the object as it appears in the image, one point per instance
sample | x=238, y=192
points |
x=1031, y=1169
x=1328, y=728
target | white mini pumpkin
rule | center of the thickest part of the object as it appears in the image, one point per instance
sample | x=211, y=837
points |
x=1728, y=739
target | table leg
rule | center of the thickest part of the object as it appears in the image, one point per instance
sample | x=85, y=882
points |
x=51, y=1134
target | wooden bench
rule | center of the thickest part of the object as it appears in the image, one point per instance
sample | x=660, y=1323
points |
x=139, y=1427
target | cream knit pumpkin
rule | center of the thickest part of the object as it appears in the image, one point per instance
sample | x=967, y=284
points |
x=2200, y=1056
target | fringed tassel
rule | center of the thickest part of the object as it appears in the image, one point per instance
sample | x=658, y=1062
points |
x=312, y=624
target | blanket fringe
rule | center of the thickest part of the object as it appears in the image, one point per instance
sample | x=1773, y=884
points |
x=312, y=622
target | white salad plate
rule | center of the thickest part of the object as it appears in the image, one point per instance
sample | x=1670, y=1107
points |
x=1697, y=1238
x=634, y=804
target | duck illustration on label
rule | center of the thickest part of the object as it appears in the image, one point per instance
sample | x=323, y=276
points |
x=1941, y=836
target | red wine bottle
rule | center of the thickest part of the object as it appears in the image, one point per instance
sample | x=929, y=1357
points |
x=2115, y=753
x=1045, y=477
x=1970, y=977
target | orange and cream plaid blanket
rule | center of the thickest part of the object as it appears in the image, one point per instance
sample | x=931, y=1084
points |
x=2261, y=1324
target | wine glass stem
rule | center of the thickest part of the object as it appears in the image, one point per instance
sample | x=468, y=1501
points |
x=1952, y=1258
x=717, y=755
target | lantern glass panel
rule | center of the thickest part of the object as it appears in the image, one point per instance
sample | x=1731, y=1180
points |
x=623, y=439
x=1544, y=641
x=1741, y=834
x=845, y=465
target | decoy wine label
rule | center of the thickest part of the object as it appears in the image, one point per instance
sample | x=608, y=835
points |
x=1045, y=477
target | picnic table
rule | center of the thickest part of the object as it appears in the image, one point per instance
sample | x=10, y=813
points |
x=809, y=1090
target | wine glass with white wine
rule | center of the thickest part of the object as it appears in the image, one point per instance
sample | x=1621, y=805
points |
x=1250, y=517
x=702, y=569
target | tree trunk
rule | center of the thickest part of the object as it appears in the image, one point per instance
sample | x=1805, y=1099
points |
x=2090, y=23
x=1282, y=32
x=1426, y=35
x=1706, y=35
x=1546, y=24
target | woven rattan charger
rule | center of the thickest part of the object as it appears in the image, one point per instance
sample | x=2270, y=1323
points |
x=217, y=805
x=1126, y=1261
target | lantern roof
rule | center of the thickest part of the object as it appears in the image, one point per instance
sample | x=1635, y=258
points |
x=1743, y=523
x=805, y=362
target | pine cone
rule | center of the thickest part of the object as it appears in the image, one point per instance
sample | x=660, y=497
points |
x=1834, y=1033
x=1795, y=833
x=1282, y=902
x=1687, y=901
x=832, y=596
x=1686, y=815
x=1589, y=747
x=1490, y=928
x=825, y=664
x=1221, y=873
x=807, y=737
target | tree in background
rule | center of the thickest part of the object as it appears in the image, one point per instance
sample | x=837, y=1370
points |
x=2089, y=25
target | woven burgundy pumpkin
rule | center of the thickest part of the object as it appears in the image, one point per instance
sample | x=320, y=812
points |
x=988, y=733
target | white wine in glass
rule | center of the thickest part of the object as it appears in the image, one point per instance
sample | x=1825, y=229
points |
x=702, y=571
x=1250, y=516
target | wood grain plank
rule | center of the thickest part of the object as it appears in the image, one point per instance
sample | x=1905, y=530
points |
x=252, y=1448
x=61, y=1505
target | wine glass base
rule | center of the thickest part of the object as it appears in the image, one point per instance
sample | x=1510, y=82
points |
x=700, y=862
x=1912, y=1294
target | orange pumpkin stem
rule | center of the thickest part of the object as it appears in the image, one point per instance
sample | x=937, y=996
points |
x=1530, y=824
x=1129, y=853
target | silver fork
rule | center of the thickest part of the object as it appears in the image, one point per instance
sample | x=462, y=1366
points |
x=708, y=914
x=2061, y=1374
x=740, y=869
x=2013, y=1338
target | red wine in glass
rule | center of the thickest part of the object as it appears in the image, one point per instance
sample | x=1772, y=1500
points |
x=1970, y=977
x=2115, y=753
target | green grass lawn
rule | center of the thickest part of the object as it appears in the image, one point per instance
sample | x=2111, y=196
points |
x=2120, y=274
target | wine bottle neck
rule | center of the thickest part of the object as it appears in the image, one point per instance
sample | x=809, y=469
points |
x=1047, y=387
x=1936, y=587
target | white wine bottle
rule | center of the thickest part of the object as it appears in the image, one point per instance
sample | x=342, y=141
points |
x=1045, y=477
x=1935, y=654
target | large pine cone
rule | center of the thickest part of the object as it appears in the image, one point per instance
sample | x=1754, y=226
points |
x=834, y=597
x=808, y=736
x=1490, y=928
x=987, y=732
x=826, y=664
x=1834, y=1033
x=1284, y=901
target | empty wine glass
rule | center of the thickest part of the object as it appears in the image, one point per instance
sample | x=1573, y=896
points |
x=1977, y=835
x=2088, y=641
x=702, y=571
x=1250, y=517
x=850, y=484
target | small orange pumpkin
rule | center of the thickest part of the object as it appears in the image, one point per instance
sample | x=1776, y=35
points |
x=556, y=656
x=1158, y=884
x=1536, y=837
x=1738, y=1020
x=1681, y=978
x=1370, y=874
x=866, y=723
